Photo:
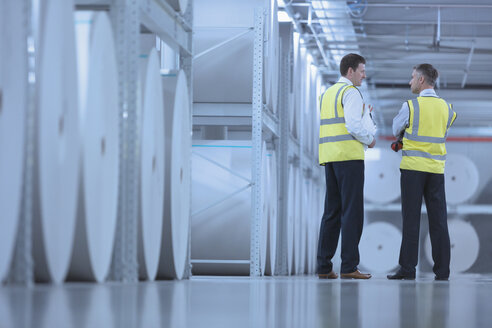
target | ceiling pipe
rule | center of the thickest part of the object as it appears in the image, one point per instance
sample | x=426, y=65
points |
x=468, y=64
x=318, y=42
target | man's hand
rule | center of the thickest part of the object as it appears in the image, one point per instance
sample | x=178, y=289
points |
x=373, y=143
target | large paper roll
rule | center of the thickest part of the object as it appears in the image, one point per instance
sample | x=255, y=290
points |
x=99, y=133
x=291, y=215
x=152, y=168
x=13, y=95
x=461, y=176
x=57, y=143
x=309, y=101
x=287, y=40
x=221, y=229
x=272, y=56
x=297, y=87
x=382, y=176
x=305, y=216
x=225, y=75
x=177, y=193
x=465, y=245
x=380, y=246
x=272, y=197
x=265, y=200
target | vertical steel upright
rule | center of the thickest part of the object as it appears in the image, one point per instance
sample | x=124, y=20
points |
x=256, y=135
x=283, y=158
x=21, y=271
x=126, y=24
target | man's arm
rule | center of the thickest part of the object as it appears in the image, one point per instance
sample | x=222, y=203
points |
x=400, y=122
x=352, y=107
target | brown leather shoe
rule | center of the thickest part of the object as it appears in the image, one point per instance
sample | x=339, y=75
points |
x=331, y=275
x=355, y=275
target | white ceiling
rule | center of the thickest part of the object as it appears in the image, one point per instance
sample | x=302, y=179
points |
x=455, y=36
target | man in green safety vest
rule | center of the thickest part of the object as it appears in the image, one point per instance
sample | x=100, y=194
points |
x=423, y=124
x=342, y=142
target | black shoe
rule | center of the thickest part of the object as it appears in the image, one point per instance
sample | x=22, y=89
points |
x=400, y=276
x=441, y=278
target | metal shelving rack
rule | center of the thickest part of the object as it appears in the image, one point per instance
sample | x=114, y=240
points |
x=175, y=29
x=127, y=17
x=265, y=126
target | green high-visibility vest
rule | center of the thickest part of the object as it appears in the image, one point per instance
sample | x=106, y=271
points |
x=336, y=144
x=424, y=147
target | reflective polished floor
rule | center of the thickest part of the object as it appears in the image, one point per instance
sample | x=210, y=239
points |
x=464, y=301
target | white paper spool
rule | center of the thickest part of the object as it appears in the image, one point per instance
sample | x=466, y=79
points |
x=465, y=245
x=287, y=39
x=380, y=247
x=99, y=135
x=13, y=95
x=461, y=178
x=272, y=197
x=382, y=176
x=179, y=5
x=308, y=103
x=221, y=232
x=227, y=223
x=225, y=75
x=298, y=86
x=291, y=198
x=305, y=216
x=265, y=199
x=316, y=111
x=57, y=143
x=177, y=194
x=152, y=168
x=272, y=54
x=298, y=229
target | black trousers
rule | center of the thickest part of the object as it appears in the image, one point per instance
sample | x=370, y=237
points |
x=415, y=185
x=344, y=210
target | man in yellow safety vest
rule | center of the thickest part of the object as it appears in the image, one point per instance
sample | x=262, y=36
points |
x=424, y=123
x=342, y=141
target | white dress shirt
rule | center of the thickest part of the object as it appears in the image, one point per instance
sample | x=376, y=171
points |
x=353, y=104
x=400, y=122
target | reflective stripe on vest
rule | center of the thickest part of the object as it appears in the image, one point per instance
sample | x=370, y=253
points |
x=417, y=153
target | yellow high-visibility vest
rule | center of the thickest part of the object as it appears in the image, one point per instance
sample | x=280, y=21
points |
x=336, y=144
x=424, y=147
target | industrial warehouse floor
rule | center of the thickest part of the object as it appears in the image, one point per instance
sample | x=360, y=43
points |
x=465, y=301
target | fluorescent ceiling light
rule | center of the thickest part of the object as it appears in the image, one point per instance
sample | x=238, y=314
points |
x=283, y=16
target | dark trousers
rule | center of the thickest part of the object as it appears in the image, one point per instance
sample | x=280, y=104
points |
x=430, y=186
x=344, y=210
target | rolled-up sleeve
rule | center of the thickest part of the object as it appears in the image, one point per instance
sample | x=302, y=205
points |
x=352, y=107
x=400, y=122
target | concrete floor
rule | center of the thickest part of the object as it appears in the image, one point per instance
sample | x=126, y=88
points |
x=263, y=302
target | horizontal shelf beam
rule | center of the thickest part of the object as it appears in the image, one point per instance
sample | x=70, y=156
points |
x=462, y=209
x=160, y=18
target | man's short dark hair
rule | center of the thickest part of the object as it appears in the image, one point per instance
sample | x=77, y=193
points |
x=429, y=73
x=350, y=60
